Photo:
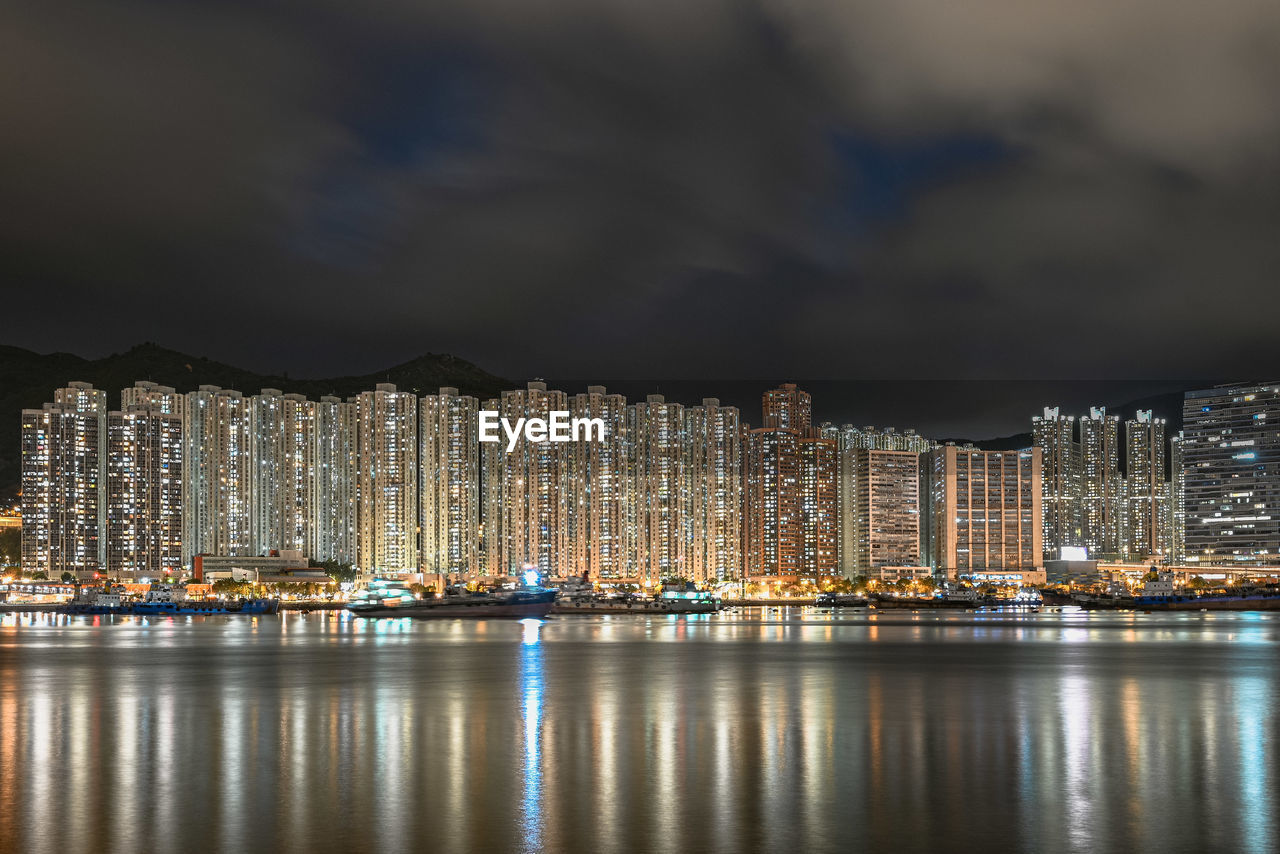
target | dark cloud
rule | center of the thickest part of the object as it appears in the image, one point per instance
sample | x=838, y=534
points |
x=831, y=189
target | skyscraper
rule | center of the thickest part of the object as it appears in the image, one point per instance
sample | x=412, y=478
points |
x=63, y=494
x=1054, y=435
x=885, y=490
x=1146, y=489
x=449, y=468
x=270, y=462
x=493, y=544
x=850, y=440
x=387, y=480
x=1177, y=500
x=788, y=408
x=819, y=506
x=791, y=497
x=656, y=428
x=1231, y=461
x=217, y=474
x=533, y=485
x=714, y=514
x=333, y=483
x=1102, y=506
x=149, y=395
x=984, y=511
x=878, y=439
x=144, y=491
x=772, y=501
x=602, y=533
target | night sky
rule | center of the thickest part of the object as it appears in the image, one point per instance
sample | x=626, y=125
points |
x=823, y=189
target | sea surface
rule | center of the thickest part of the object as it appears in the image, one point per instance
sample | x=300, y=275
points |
x=758, y=730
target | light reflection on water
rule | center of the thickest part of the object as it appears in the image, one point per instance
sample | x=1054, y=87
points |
x=531, y=674
x=773, y=730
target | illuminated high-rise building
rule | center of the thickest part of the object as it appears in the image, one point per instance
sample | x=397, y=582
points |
x=772, y=503
x=1231, y=463
x=819, y=506
x=601, y=518
x=878, y=439
x=533, y=482
x=217, y=475
x=270, y=492
x=333, y=481
x=656, y=428
x=850, y=440
x=449, y=469
x=1145, y=488
x=885, y=491
x=298, y=475
x=1054, y=435
x=984, y=511
x=788, y=408
x=149, y=395
x=387, y=480
x=1177, y=523
x=492, y=543
x=714, y=514
x=144, y=491
x=791, y=493
x=64, y=448
x=1102, y=508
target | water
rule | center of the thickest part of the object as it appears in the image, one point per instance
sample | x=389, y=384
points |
x=761, y=731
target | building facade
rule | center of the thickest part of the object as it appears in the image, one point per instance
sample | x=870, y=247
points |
x=387, y=480
x=333, y=481
x=656, y=427
x=791, y=498
x=1054, y=434
x=602, y=532
x=985, y=511
x=1146, y=492
x=1102, y=505
x=1230, y=452
x=1177, y=501
x=64, y=447
x=532, y=486
x=217, y=514
x=449, y=468
x=144, y=492
x=714, y=512
x=885, y=486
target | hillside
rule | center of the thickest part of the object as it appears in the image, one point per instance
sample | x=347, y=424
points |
x=27, y=380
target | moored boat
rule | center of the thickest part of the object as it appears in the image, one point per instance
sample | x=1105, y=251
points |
x=1244, y=601
x=160, y=601
x=840, y=600
x=393, y=598
x=667, y=602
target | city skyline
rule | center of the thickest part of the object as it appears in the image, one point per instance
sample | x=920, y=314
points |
x=616, y=426
x=391, y=481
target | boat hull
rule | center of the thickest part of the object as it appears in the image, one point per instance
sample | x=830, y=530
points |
x=641, y=607
x=253, y=607
x=1234, y=603
x=525, y=605
x=892, y=603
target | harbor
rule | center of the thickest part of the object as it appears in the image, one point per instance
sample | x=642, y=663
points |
x=300, y=732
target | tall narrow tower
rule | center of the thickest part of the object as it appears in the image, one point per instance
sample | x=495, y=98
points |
x=387, y=480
